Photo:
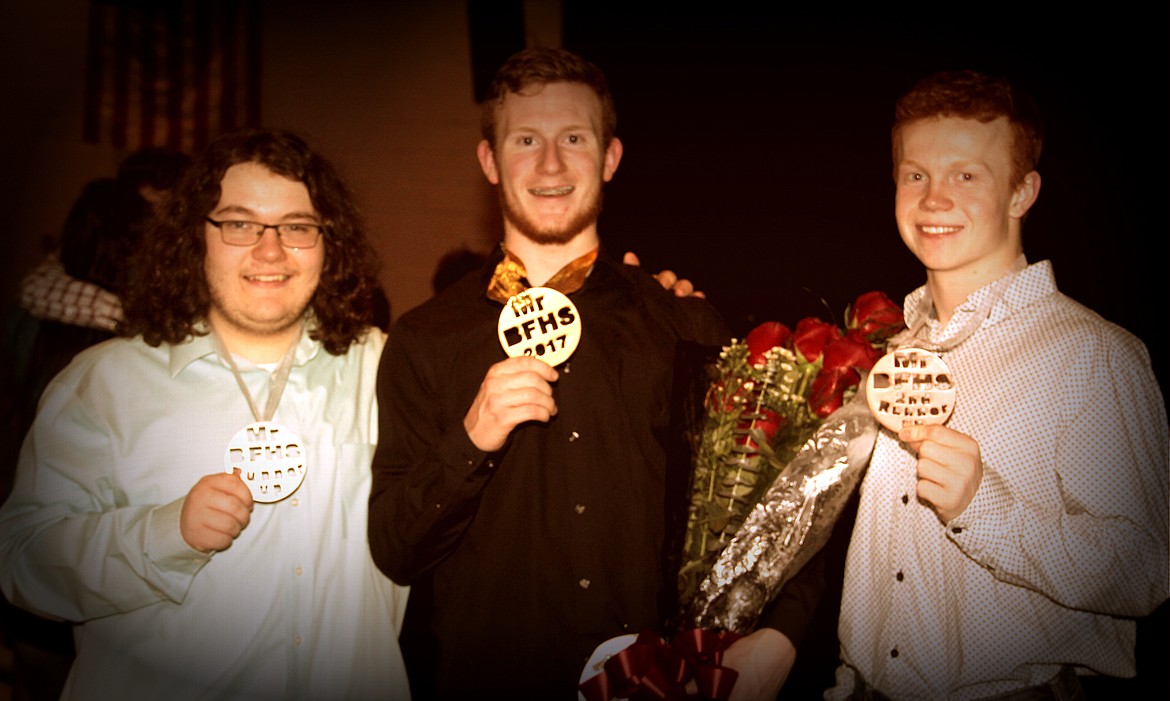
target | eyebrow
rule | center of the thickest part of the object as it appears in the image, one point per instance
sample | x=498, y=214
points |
x=524, y=129
x=244, y=211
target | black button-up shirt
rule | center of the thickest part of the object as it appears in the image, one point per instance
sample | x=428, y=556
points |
x=567, y=536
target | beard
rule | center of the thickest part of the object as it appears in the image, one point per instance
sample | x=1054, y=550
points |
x=550, y=235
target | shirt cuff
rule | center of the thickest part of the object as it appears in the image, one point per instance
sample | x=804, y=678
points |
x=176, y=561
x=985, y=518
x=457, y=451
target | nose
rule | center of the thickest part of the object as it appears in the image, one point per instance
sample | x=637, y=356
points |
x=550, y=160
x=936, y=198
x=268, y=247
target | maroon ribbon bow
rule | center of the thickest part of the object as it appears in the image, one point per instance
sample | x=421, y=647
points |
x=650, y=669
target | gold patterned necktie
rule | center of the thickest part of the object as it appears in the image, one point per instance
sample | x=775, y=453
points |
x=509, y=278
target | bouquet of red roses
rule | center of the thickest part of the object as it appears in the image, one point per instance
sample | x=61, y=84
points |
x=769, y=394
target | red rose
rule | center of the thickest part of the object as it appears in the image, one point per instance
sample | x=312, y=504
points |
x=811, y=337
x=850, y=351
x=844, y=358
x=875, y=316
x=768, y=423
x=766, y=336
x=828, y=390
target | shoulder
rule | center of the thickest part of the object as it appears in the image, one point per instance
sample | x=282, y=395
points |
x=112, y=368
x=1100, y=362
x=457, y=313
x=361, y=356
x=693, y=318
x=372, y=341
x=1059, y=320
x=116, y=356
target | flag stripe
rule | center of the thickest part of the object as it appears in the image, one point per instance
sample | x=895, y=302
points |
x=173, y=72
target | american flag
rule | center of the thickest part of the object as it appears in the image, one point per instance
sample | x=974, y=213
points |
x=171, y=73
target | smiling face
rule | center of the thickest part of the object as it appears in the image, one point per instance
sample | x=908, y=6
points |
x=550, y=163
x=956, y=206
x=259, y=293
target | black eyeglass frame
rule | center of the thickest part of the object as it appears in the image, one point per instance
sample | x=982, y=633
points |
x=265, y=227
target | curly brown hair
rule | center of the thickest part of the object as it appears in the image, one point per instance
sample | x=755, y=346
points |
x=168, y=297
x=974, y=95
x=539, y=66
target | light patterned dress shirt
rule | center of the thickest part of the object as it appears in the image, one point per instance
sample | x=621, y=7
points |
x=1066, y=537
x=294, y=609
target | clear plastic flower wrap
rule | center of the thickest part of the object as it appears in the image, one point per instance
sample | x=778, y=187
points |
x=789, y=524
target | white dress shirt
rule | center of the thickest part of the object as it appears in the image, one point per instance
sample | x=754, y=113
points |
x=1066, y=537
x=294, y=609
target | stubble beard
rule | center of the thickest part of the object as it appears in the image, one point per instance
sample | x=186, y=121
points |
x=259, y=328
x=549, y=236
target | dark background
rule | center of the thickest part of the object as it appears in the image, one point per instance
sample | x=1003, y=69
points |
x=757, y=156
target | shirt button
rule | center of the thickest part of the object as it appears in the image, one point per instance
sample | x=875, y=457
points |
x=580, y=508
x=956, y=530
x=566, y=368
x=573, y=436
x=905, y=499
x=296, y=501
x=298, y=571
x=899, y=576
x=894, y=652
x=584, y=583
x=297, y=640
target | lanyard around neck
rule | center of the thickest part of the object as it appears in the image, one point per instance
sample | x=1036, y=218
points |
x=278, y=382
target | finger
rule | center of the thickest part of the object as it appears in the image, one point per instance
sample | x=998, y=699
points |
x=913, y=434
x=230, y=505
x=948, y=465
x=666, y=278
x=223, y=523
x=223, y=493
x=504, y=403
x=930, y=492
x=504, y=385
x=937, y=433
x=521, y=365
x=238, y=489
x=683, y=288
x=933, y=473
x=630, y=258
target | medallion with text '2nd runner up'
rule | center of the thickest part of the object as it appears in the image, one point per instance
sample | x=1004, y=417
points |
x=910, y=386
x=270, y=458
x=542, y=323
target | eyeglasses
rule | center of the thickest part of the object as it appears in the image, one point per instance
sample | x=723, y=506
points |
x=247, y=233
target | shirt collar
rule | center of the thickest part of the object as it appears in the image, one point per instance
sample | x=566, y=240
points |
x=604, y=261
x=199, y=346
x=1032, y=283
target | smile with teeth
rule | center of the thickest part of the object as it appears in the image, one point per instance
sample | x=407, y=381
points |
x=267, y=278
x=551, y=191
x=939, y=229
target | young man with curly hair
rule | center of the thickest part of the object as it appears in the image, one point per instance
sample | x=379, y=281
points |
x=193, y=495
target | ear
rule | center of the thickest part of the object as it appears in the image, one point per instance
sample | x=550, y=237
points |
x=613, y=156
x=487, y=162
x=1025, y=195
